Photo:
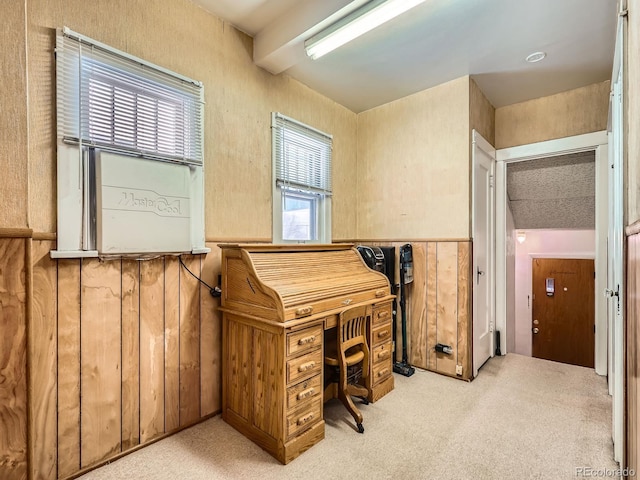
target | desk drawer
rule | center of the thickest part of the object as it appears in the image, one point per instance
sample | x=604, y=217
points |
x=381, y=314
x=381, y=334
x=304, y=392
x=381, y=371
x=304, y=367
x=304, y=340
x=304, y=418
x=381, y=353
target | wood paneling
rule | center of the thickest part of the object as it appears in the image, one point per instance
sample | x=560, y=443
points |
x=123, y=351
x=152, y=344
x=447, y=305
x=100, y=362
x=417, y=309
x=68, y=367
x=583, y=110
x=130, y=353
x=43, y=366
x=439, y=306
x=189, y=341
x=172, y=343
x=632, y=356
x=465, y=320
x=432, y=306
x=13, y=359
x=210, y=336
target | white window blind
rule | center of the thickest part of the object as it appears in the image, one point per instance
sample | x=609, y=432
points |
x=302, y=156
x=111, y=100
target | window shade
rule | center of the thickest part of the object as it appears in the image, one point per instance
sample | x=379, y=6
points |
x=111, y=100
x=303, y=155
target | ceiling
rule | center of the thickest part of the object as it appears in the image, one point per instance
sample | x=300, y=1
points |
x=555, y=192
x=435, y=42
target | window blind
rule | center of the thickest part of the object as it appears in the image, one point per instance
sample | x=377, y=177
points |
x=111, y=100
x=302, y=155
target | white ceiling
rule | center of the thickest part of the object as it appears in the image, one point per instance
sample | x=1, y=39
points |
x=435, y=42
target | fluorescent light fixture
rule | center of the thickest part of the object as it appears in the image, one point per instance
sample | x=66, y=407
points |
x=521, y=236
x=360, y=21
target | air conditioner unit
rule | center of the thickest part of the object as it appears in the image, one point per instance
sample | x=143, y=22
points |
x=142, y=206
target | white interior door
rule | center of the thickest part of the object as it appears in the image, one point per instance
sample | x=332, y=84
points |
x=615, y=256
x=483, y=159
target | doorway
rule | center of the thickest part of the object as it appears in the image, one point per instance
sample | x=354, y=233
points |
x=563, y=324
x=597, y=143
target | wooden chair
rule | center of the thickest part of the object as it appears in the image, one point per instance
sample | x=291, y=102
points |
x=349, y=350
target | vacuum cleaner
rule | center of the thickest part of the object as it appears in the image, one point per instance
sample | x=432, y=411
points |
x=406, y=276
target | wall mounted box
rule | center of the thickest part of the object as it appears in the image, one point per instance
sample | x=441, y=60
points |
x=143, y=206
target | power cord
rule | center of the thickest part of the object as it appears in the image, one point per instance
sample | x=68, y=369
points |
x=215, y=292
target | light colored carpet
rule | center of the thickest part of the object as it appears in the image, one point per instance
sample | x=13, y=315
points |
x=522, y=418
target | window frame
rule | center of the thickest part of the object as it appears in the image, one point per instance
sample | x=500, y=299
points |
x=280, y=189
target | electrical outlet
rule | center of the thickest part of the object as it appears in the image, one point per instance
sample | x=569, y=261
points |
x=458, y=369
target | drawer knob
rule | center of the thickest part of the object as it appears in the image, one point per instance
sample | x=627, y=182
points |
x=380, y=293
x=383, y=333
x=306, y=366
x=383, y=314
x=383, y=373
x=305, y=419
x=306, y=393
x=383, y=354
x=307, y=340
x=304, y=311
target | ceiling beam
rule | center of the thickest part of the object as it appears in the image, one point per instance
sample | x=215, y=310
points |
x=280, y=45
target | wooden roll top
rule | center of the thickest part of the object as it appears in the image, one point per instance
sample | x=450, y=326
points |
x=283, y=282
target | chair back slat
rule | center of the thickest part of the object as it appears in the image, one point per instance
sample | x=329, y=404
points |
x=352, y=326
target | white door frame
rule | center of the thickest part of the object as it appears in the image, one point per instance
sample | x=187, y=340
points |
x=596, y=142
x=479, y=142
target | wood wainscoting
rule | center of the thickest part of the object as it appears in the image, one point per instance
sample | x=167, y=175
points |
x=633, y=348
x=121, y=353
x=13, y=357
x=439, y=306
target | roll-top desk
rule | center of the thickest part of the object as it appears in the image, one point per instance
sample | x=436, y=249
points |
x=277, y=302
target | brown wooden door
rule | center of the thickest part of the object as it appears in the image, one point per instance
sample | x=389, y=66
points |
x=563, y=322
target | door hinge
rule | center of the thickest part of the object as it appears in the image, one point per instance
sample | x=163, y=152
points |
x=491, y=326
x=594, y=329
x=491, y=181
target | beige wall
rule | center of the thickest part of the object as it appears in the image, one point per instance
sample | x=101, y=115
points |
x=13, y=116
x=413, y=166
x=565, y=114
x=482, y=114
x=240, y=97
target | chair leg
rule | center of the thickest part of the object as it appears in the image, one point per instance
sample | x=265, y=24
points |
x=345, y=398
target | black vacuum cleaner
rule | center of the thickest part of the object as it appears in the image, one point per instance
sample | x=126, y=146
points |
x=406, y=276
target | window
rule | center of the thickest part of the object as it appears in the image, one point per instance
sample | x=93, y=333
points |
x=302, y=189
x=128, y=130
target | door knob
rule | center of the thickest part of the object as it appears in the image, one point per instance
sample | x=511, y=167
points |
x=536, y=330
